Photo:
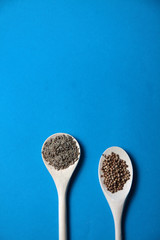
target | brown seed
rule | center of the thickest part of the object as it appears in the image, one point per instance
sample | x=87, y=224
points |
x=115, y=172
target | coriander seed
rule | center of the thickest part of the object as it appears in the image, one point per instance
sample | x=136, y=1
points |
x=115, y=172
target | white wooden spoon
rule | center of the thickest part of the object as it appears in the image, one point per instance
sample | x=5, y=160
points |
x=61, y=179
x=116, y=200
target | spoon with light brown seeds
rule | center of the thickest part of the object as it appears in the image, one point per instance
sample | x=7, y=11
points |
x=114, y=185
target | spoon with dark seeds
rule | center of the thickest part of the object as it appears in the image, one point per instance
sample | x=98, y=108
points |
x=115, y=176
x=61, y=154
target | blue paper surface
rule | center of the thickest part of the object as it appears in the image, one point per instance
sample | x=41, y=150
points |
x=90, y=69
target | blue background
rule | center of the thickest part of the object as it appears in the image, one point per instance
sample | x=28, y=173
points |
x=90, y=69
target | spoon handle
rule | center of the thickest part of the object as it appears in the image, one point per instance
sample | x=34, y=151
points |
x=117, y=215
x=62, y=216
x=118, y=234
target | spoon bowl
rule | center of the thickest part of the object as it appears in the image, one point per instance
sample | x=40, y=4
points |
x=61, y=179
x=116, y=200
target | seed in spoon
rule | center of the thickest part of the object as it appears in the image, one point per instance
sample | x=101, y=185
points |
x=60, y=151
x=115, y=172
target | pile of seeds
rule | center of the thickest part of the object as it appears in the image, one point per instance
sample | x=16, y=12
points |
x=115, y=172
x=60, y=151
